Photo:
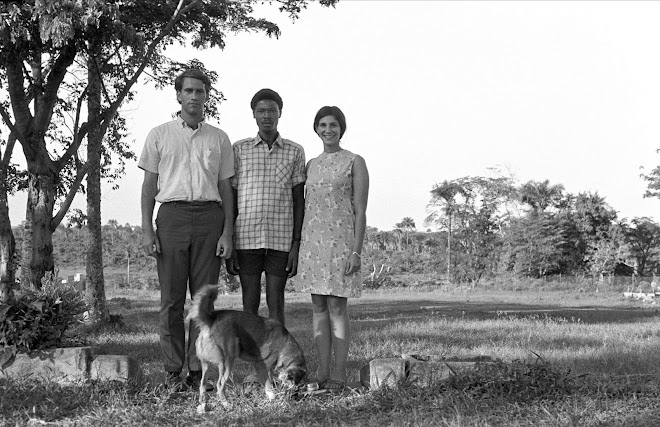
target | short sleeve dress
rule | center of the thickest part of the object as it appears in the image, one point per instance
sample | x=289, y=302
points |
x=328, y=229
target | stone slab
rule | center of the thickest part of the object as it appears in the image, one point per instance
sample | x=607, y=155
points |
x=419, y=370
x=62, y=365
x=115, y=368
x=386, y=372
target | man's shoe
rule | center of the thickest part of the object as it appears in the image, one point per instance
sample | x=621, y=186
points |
x=193, y=379
x=174, y=383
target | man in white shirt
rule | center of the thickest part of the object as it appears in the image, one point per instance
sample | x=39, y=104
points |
x=187, y=167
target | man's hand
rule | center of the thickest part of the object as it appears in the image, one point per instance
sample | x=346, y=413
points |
x=150, y=243
x=231, y=264
x=225, y=247
x=292, y=263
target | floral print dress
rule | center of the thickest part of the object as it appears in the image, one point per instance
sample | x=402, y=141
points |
x=328, y=230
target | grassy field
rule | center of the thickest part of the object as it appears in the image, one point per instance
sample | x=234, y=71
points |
x=569, y=359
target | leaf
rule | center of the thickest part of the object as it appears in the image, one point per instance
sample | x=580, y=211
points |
x=37, y=305
x=4, y=308
x=7, y=357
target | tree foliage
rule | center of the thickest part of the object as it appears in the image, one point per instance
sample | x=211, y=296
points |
x=48, y=50
x=556, y=233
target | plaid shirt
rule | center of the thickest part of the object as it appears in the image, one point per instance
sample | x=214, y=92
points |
x=264, y=181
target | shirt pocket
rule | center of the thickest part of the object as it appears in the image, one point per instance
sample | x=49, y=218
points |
x=211, y=158
x=283, y=173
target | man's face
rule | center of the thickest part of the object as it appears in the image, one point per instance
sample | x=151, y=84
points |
x=192, y=96
x=267, y=114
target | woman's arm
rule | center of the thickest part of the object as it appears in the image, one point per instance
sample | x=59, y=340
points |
x=360, y=197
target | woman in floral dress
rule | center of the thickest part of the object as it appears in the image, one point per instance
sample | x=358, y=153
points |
x=330, y=252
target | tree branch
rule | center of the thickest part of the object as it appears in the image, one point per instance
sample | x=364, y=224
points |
x=52, y=85
x=7, y=119
x=78, y=134
x=73, y=190
x=6, y=157
x=19, y=103
x=106, y=117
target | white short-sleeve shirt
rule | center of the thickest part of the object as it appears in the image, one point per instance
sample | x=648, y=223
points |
x=189, y=162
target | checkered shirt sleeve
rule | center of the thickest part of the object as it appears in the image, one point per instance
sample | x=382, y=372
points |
x=264, y=181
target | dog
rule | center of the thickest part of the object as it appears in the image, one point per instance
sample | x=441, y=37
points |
x=225, y=335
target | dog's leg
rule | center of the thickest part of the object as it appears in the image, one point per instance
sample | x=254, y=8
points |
x=263, y=375
x=224, y=370
x=202, y=408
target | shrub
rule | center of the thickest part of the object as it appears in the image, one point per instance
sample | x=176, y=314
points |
x=36, y=320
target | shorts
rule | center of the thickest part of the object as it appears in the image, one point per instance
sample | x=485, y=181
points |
x=256, y=261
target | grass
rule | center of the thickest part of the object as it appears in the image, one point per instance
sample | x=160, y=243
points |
x=568, y=359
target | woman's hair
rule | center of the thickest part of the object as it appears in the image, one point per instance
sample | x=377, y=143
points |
x=334, y=112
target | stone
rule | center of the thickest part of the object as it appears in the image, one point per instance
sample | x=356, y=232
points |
x=386, y=372
x=115, y=368
x=424, y=374
x=62, y=365
x=364, y=376
x=418, y=370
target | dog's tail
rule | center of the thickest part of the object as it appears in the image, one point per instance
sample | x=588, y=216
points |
x=202, y=306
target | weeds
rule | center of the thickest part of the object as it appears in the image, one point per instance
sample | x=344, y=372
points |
x=519, y=381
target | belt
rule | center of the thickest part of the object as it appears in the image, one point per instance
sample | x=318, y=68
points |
x=194, y=202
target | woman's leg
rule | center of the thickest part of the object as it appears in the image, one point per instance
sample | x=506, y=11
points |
x=341, y=334
x=322, y=336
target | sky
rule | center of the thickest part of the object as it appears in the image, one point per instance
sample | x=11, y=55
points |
x=439, y=90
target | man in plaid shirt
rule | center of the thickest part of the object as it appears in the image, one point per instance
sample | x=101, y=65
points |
x=270, y=204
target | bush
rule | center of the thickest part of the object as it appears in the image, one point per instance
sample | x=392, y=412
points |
x=38, y=320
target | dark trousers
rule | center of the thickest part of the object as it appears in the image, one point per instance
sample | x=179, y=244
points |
x=188, y=235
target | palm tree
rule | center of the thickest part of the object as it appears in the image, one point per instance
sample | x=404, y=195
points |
x=541, y=195
x=443, y=197
x=407, y=224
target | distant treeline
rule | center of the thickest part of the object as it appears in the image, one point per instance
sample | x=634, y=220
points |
x=488, y=228
x=493, y=228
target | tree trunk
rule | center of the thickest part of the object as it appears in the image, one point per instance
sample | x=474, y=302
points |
x=98, y=310
x=40, y=204
x=7, y=244
x=26, y=249
x=449, y=250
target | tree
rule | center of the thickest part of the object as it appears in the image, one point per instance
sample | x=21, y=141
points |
x=643, y=239
x=474, y=210
x=10, y=181
x=443, y=206
x=652, y=181
x=593, y=219
x=539, y=196
x=50, y=41
x=407, y=224
x=605, y=251
x=536, y=246
x=37, y=47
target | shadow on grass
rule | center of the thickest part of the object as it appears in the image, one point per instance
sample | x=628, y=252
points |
x=423, y=309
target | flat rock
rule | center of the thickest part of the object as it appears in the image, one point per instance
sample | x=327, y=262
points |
x=416, y=369
x=115, y=368
x=62, y=365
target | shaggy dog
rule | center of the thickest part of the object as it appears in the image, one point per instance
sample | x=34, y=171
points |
x=225, y=335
